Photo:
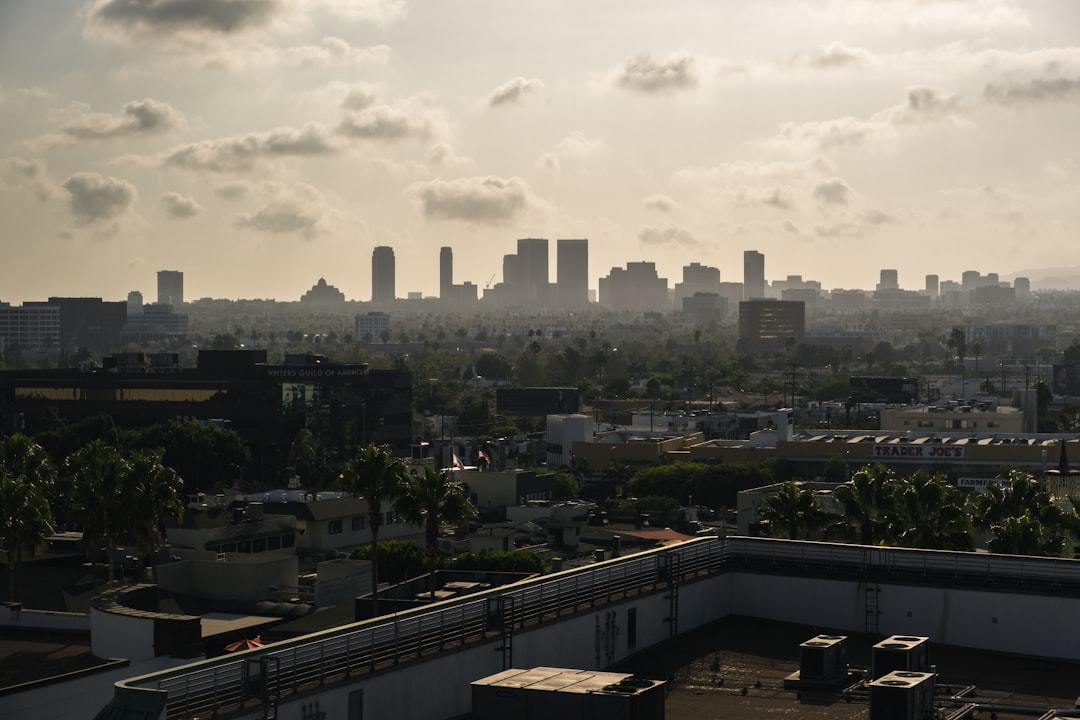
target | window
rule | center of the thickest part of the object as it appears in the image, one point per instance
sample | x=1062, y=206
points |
x=335, y=527
x=359, y=523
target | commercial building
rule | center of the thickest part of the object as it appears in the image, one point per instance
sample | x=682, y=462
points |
x=446, y=273
x=638, y=287
x=767, y=326
x=88, y=325
x=170, y=288
x=572, y=274
x=383, y=278
x=344, y=405
x=373, y=327
x=34, y=328
x=753, y=275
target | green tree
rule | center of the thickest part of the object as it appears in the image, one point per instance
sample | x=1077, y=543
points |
x=399, y=560
x=97, y=474
x=928, y=512
x=304, y=456
x=864, y=500
x=26, y=478
x=1024, y=535
x=378, y=476
x=430, y=500
x=157, y=495
x=792, y=512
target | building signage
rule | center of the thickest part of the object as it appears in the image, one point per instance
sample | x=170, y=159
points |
x=979, y=485
x=918, y=453
x=316, y=373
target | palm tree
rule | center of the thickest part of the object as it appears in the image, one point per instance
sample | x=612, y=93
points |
x=1024, y=535
x=929, y=512
x=793, y=512
x=1023, y=509
x=97, y=474
x=26, y=478
x=156, y=494
x=864, y=500
x=431, y=500
x=376, y=475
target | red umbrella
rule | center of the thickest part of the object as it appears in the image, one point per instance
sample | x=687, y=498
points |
x=245, y=644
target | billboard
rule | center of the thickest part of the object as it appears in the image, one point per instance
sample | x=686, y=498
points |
x=1066, y=379
x=892, y=390
x=537, y=401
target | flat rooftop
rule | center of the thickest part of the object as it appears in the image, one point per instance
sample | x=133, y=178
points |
x=708, y=670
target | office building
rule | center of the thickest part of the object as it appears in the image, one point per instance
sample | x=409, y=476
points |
x=697, y=278
x=753, y=275
x=383, y=289
x=637, y=287
x=446, y=273
x=932, y=285
x=88, y=325
x=532, y=266
x=346, y=405
x=29, y=327
x=372, y=327
x=170, y=288
x=322, y=293
x=768, y=326
x=134, y=303
x=572, y=274
x=888, y=280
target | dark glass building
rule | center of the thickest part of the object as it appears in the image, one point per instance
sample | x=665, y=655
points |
x=344, y=405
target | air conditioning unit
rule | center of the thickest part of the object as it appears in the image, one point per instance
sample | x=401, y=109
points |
x=902, y=695
x=900, y=652
x=823, y=657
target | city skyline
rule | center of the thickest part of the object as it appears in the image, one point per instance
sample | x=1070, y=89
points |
x=259, y=146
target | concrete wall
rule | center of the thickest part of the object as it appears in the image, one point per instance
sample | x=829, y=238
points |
x=1006, y=622
x=15, y=616
x=118, y=635
x=240, y=577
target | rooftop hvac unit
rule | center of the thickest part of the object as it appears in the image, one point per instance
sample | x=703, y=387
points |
x=254, y=511
x=902, y=695
x=900, y=652
x=823, y=658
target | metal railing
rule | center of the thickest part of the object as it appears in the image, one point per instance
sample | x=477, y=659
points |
x=264, y=676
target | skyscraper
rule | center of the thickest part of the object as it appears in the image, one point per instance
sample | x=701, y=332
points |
x=572, y=274
x=532, y=262
x=446, y=274
x=753, y=275
x=170, y=288
x=382, y=275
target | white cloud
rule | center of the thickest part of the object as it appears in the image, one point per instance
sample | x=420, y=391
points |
x=384, y=122
x=645, y=75
x=334, y=52
x=178, y=206
x=482, y=200
x=670, y=235
x=244, y=152
x=139, y=117
x=443, y=154
x=299, y=210
x=831, y=56
x=660, y=203
x=234, y=190
x=833, y=192
x=96, y=198
x=185, y=22
x=22, y=174
x=1034, y=90
x=513, y=91
x=930, y=16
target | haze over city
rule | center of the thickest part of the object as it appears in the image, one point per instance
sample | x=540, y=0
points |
x=257, y=146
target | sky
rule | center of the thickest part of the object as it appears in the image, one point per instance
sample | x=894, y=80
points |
x=259, y=145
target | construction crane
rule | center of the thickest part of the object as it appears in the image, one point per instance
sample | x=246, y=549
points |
x=489, y=281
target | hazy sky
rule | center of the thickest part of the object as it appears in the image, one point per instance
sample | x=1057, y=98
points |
x=258, y=145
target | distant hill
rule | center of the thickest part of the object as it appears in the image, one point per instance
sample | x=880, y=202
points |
x=1056, y=278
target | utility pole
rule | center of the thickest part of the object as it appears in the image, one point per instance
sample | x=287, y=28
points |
x=793, y=366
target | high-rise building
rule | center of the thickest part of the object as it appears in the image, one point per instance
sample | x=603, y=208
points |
x=532, y=254
x=572, y=274
x=638, y=287
x=134, y=303
x=170, y=288
x=696, y=278
x=446, y=273
x=932, y=285
x=767, y=326
x=382, y=275
x=889, y=280
x=753, y=275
